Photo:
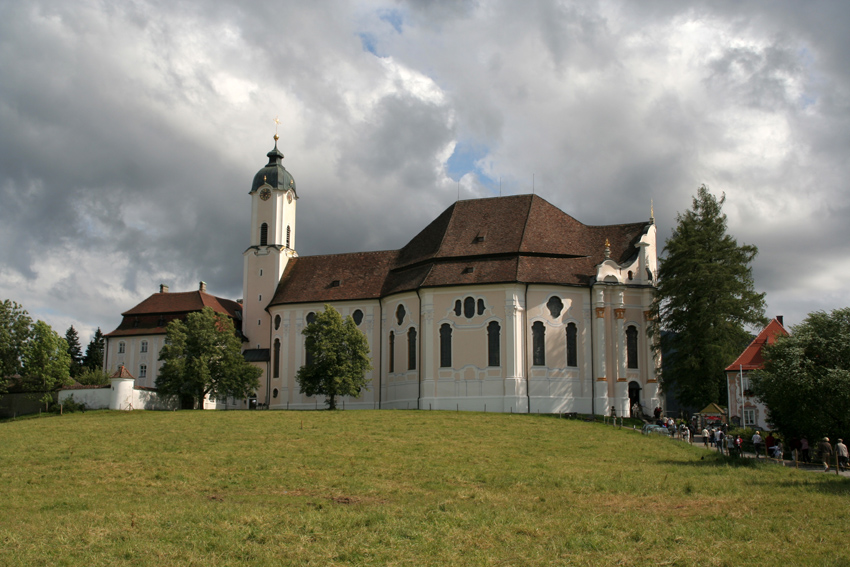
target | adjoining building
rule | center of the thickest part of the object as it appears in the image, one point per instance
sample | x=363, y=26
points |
x=745, y=409
x=503, y=304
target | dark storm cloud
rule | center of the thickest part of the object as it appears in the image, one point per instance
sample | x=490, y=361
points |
x=131, y=131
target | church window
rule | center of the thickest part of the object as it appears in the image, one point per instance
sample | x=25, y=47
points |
x=631, y=347
x=259, y=322
x=276, y=358
x=445, y=346
x=458, y=308
x=260, y=297
x=143, y=347
x=276, y=322
x=631, y=275
x=555, y=306
x=261, y=271
x=572, y=345
x=357, y=316
x=481, y=307
x=143, y=371
x=288, y=233
x=392, y=351
x=411, y=349
x=308, y=355
x=493, y=344
x=469, y=307
x=538, y=344
x=274, y=393
x=399, y=314
x=264, y=234
x=121, y=347
x=311, y=317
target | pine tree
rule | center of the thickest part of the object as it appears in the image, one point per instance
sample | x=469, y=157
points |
x=74, y=351
x=339, y=358
x=93, y=360
x=704, y=300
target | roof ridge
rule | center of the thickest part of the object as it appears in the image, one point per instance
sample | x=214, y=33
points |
x=525, y=224
x=453, y=207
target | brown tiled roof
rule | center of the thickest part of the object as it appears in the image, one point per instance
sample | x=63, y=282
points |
x=521, y=238
x=122, y=372
x=152, y=315
x=752, y=358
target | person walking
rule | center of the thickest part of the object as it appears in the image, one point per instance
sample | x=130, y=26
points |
x=757, y=444
x=705, y=437
x=730, y=445
x=841, y=451
x=825, y=452
x=718, y=440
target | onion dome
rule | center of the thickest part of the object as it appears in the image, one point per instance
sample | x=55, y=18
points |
x=274, y=173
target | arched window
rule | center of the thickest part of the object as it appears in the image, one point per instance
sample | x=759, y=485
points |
x=276, y=322
x=458, y=308
x=493, y=344
x=144, y=346
x=276, y=358
x=121, y=347
x=555, y=306
x=572, y=345
x=632, y=347
x=399, y=314
x=264, y=234
x=469, y=307
x=274, y=393
x=357, y=316
x=392, y=351
x=538, y=344
x=311, y=316
x=481, y=307
x=445, y=346
x=411, y=349
x=288, y=233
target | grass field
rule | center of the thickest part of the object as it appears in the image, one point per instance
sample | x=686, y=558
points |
x=396, y=488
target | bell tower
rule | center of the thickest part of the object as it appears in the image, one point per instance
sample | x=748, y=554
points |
x=272, y=243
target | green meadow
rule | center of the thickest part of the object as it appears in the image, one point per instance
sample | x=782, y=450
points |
x=396, y=488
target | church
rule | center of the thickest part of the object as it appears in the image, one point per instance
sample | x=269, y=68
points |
x=502, y=304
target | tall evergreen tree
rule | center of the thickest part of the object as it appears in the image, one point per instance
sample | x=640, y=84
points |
x=339, y=355
x=74, y=350
x=93, y=360
x=705, y=299
x=15, y=334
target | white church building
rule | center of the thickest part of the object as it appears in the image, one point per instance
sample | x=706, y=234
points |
x=502, y=304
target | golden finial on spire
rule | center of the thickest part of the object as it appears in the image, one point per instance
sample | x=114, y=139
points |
x=607, y=248
x=607, y=243
x=651, y=211
x=276, y=124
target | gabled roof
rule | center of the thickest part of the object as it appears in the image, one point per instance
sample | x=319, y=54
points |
x=713, y=408
x=521, y=238
x=751, y=358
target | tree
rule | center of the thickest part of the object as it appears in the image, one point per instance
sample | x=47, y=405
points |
x=93, y=377
x=704, y=299
x=93, y=360
x=46, y=362
x=15, y=333
x=340, y=358
x=74, y=350
x=805, y=382
x=204, y=356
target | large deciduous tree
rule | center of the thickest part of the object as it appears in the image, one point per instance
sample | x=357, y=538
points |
x=46, y=362
x=339, y=358
x=204, y=356
x=805, y=382
x=15, y=333
x=705, y=300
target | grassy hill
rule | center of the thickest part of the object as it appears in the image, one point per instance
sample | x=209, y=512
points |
x=396, y=488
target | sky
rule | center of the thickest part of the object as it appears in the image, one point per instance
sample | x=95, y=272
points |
x=130, y=132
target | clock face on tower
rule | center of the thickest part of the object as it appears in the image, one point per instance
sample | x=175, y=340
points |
x=265, y=194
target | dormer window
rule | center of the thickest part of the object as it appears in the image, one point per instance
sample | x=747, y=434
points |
x=480, y=237
x=335, y=283
x=468, y=270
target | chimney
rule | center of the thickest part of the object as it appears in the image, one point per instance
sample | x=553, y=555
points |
x=163, y=288
x=202, y=287
x=780, y=318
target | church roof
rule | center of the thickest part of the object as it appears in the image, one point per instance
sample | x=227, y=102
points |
x=151, y=316
x=274, y=174
x=751, y=358
x=520, y=238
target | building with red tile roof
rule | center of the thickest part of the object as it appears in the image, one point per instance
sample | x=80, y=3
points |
x=499, y=304
x=744, y=408
x=136, y=342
